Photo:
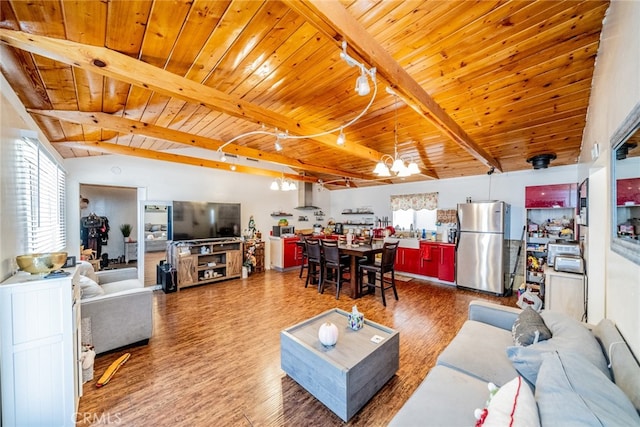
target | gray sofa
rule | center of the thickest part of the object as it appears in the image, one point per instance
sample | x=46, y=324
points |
x=120, y=312
x=580, y=376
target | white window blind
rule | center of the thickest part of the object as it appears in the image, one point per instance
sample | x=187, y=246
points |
x=41, y=198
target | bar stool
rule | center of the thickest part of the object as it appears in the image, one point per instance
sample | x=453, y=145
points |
x=334, y=266
x=314, y=262
x=378, y=271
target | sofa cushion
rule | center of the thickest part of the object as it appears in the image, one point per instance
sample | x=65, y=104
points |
x=86, y=269
x=479, y=350
x=512, y=405
x=625, y=370
x=568, y=334
x=89, y=288
x=446, y=397
x=529, y=328
x=121, y=285
x=572, y=391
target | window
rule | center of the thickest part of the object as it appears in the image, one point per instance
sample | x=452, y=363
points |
x=420, y=219
x=41, y=197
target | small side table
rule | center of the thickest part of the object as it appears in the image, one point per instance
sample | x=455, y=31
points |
x=130, y=251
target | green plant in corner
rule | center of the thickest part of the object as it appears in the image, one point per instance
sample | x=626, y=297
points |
x=126, y=230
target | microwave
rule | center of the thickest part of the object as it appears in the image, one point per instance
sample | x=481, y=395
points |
x=280, y=230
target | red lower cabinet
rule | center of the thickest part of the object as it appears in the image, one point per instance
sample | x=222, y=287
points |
x=429, y=259
x=408, y=260
x=292, y=252
x=447, y=266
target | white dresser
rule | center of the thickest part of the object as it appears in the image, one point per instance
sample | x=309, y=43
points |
x=130, y=251
x=40, y=363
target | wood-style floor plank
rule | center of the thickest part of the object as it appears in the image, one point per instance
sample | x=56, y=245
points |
x=214, y=358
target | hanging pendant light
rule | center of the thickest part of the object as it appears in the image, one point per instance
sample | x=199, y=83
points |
x=398, y=166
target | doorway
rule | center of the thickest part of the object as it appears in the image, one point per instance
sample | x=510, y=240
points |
x=104, y=212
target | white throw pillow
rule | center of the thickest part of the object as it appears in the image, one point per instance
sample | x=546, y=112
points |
x=512, y=405
x=89, y=288
x=86, y=269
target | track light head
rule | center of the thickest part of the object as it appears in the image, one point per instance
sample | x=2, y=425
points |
x=341, y=138
x=362, y=85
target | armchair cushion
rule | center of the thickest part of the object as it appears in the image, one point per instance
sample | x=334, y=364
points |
x=89, y=288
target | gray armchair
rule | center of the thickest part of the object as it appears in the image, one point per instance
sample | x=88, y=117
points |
x=123, y=315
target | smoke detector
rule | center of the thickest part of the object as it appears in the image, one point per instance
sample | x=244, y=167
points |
x=541, y=161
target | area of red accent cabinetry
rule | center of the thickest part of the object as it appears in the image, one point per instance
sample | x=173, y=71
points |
x=292, y=257
x=551, y=196
x=408, y=260
x=446, y=267
x=628, y=192
x=429, y=259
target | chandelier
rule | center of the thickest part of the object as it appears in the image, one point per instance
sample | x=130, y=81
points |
x=283, y=184
x=395, y=164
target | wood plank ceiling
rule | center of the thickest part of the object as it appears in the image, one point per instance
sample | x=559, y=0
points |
x=479, y=85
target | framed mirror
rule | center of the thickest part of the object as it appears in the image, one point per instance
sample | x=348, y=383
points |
x=625, y=194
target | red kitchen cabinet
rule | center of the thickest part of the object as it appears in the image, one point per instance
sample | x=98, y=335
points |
x=447, y=266
x=628, y=192
x=408, y=260
x=292, y=252
x=551, y=196
x=429, y=259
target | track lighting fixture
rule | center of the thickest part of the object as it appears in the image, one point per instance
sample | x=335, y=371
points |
x=362, y=83
x=223, y=158
x=341, y=138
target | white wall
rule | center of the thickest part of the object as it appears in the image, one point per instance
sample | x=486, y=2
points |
x=507, y=187
x=164, y=181
x=614, y=287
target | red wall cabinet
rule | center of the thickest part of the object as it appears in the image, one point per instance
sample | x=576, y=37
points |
x=447, y=266
x=551, y=196
x=628, y=192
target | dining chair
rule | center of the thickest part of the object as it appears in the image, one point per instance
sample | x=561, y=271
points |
x=334, y=266
x=304, y=263
x=314, y=262
x=377, y=272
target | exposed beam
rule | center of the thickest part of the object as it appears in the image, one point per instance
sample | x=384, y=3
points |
x=333, y=20
x=128, y=126
x=112, y=64
x=110, y=148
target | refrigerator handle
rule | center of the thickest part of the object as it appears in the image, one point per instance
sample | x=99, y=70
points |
x=457, y=230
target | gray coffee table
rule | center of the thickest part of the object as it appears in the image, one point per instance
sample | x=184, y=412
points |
x=343, y=377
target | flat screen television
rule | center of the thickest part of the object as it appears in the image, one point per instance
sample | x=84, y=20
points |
x=205, y=220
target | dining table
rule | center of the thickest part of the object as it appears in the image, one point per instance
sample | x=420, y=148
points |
x=357, y=252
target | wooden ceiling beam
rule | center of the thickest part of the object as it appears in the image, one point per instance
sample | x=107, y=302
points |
x=110, y=148
x=128, y=126
x=121, y=67
x=333, y=20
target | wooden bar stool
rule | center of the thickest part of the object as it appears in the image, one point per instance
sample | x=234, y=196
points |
x=377, y=272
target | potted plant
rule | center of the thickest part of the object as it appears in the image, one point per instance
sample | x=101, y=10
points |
x=126, y=231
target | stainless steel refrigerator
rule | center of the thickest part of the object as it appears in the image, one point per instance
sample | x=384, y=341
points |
x=482, y=249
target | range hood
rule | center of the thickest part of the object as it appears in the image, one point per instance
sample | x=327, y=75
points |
x=305, y=197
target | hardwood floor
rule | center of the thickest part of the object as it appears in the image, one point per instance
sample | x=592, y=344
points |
x=214, y=358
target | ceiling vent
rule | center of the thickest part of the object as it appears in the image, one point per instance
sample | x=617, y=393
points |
x=541, y=161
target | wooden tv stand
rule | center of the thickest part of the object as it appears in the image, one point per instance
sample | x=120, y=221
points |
x=198, y=262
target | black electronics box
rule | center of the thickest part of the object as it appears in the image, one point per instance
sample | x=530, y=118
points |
x=166, y=277
x=70, y=262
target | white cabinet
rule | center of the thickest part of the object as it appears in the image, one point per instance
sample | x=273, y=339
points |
x=565, y=292
x=130, y=251
x=40, y=362
x=276, y=252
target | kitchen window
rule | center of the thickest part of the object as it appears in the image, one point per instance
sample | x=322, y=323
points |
x=40, y=192
x=417, y=210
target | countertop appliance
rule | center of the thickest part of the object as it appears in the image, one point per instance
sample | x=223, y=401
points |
x=482, y=249
x=279, y=230
x=569, y=264
x=561, y=248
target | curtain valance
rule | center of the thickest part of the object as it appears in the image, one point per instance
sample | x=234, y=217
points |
x=414, y=201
